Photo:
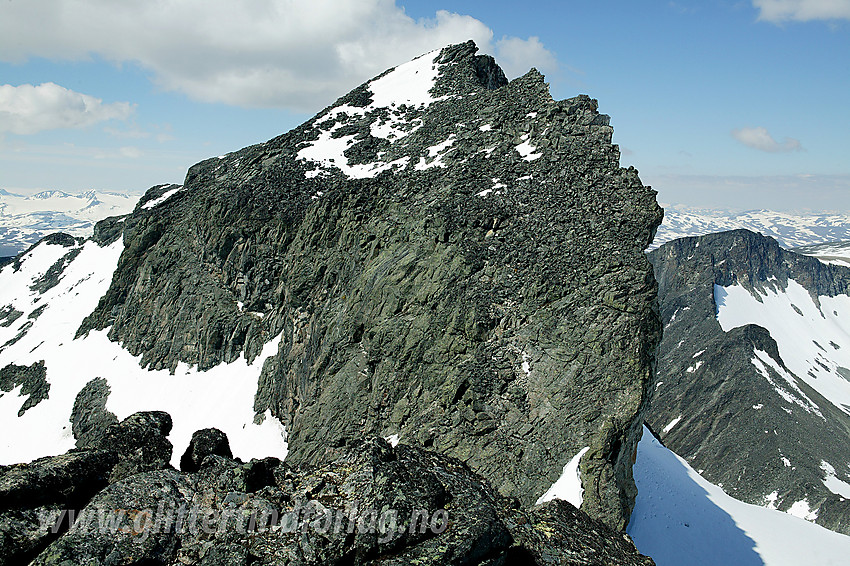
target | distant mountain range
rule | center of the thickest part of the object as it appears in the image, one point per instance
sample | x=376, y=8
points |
x=791, y=230
x=24, y=220
x=836, y=253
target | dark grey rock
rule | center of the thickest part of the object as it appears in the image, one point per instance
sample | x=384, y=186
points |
x=428, y=509
x=71, y=479
x=24, y=533
x=39, y=500
x=33, y=496
x=720, y=432
x=108, y=230
x=33, y=382
x=51, y=277
x=8, y=315
x=89, y=417
x=409, y=303
x=141, y=440
x=205, y=442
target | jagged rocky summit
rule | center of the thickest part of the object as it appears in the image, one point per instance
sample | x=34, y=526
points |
x=441, y=256
x=753, y=385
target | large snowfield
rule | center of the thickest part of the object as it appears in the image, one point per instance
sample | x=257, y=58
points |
x=682, y=519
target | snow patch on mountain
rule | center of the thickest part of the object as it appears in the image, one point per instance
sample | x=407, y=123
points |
x=813, y=339
x=681, y=518
x=394, y=93
x=831, y=481
x=161, y=199
x=568, y=486
x=221, y=397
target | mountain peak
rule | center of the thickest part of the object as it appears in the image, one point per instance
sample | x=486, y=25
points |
x=441, y=255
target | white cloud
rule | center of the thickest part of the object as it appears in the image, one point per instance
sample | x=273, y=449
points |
x=514, y=55
x=282, y=53
x=778, y=11
x=759, y=138
x=28, y=109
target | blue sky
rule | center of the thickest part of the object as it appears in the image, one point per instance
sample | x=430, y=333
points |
x=724, y=104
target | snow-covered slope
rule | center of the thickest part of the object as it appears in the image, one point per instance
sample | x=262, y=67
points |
x=681, y=518
x=24, y=220
x=789, y=229
x=812, y=333
x=43, y=299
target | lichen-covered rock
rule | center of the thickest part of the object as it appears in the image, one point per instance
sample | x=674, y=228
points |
x=141, y=441
x=33, y=495
x=458, y=262
x=37, y=498
x=374, y=505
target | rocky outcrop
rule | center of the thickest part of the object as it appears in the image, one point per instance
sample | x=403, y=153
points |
x=89, y=417
x=39, y=499
x=31, y=380
x=466, y=271
x=762, y=436
x=374, y=505
x=206, y=442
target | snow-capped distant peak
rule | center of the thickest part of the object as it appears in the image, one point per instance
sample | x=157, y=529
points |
x=789, y=229
x=26, y=219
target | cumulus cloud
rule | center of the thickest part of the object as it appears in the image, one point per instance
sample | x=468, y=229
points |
x=514, y=55
x=759, y=138
x=28, y=109
x=283, y=53
x=778, y=11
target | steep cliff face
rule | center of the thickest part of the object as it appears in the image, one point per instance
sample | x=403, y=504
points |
x=753, y=383
x=442, y=255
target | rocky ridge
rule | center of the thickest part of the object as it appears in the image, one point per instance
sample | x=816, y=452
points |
x=727, y=401
x=375, y=505
x=457, y=262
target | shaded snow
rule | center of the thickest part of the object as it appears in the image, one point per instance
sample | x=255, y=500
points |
x=681, y=518
x=832, y=482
